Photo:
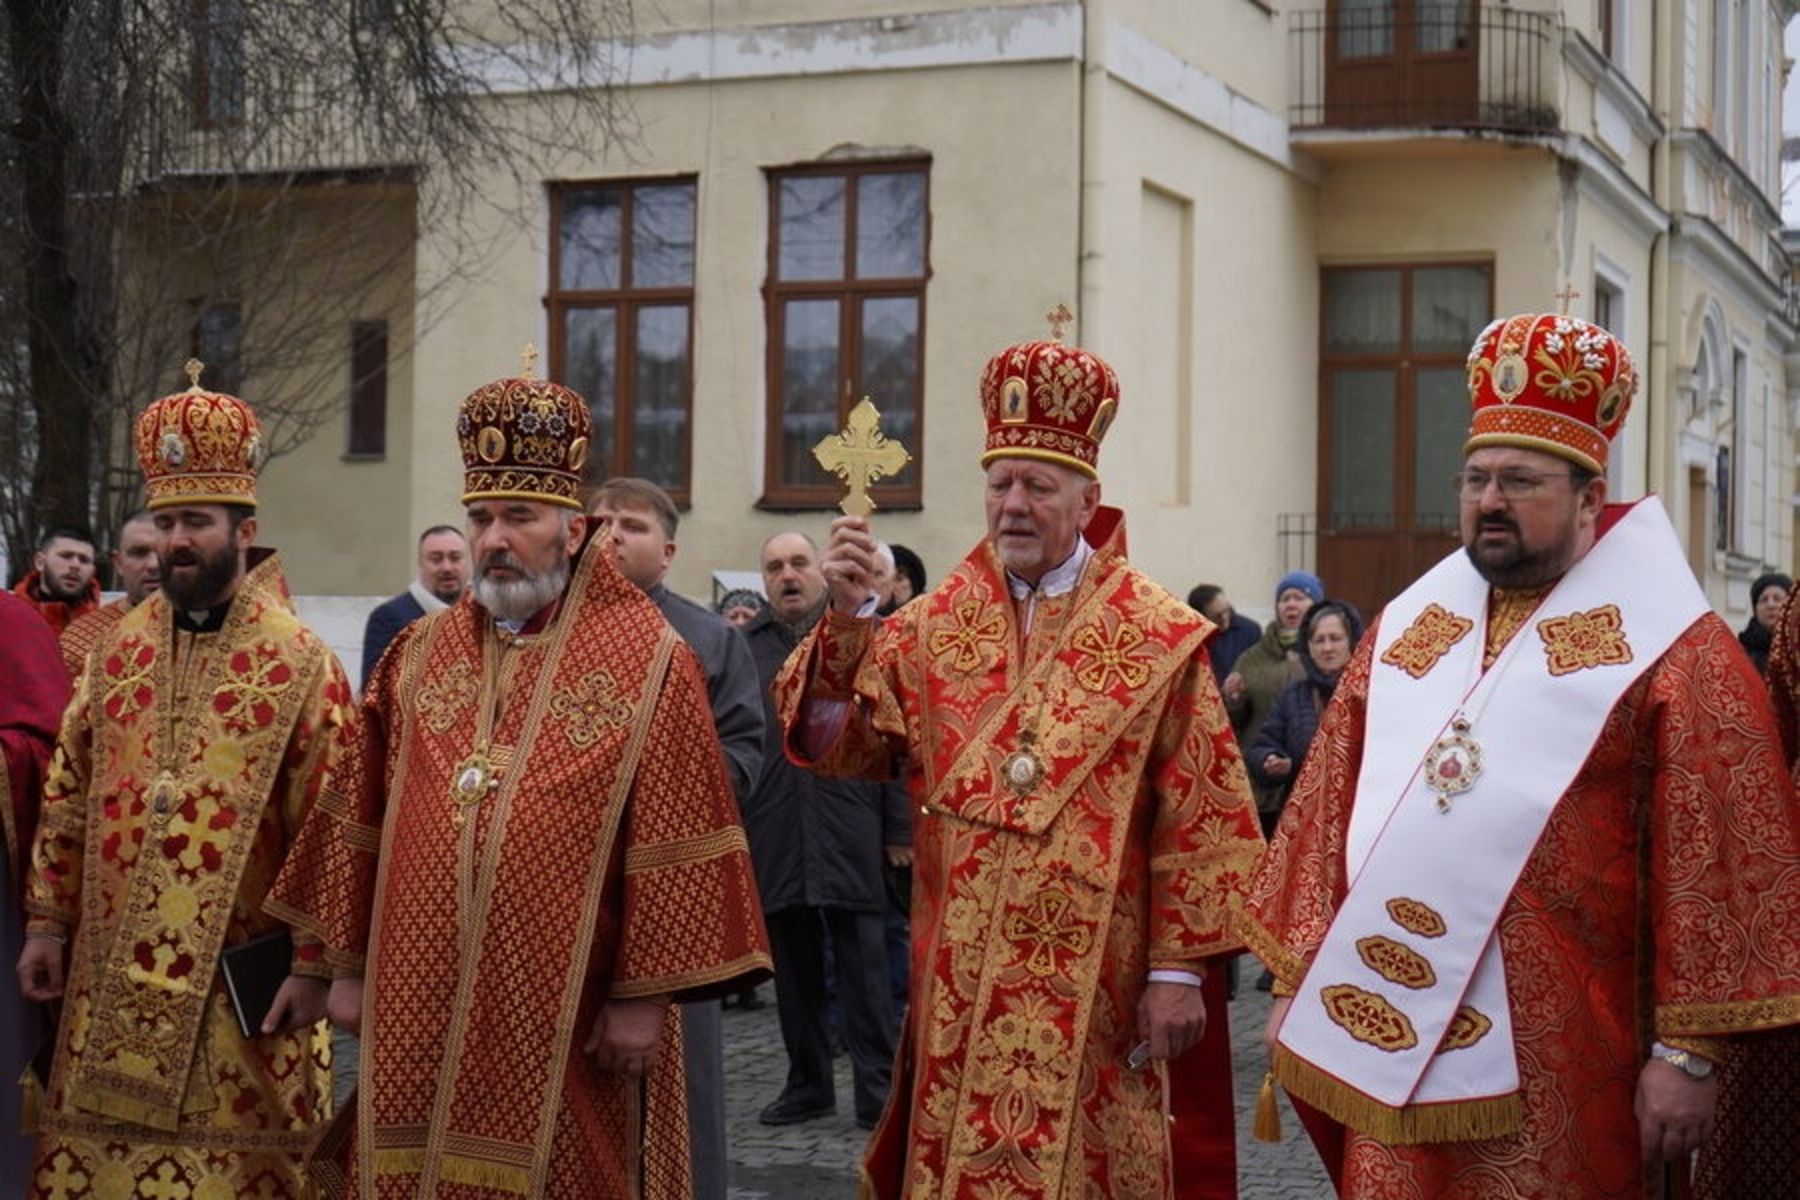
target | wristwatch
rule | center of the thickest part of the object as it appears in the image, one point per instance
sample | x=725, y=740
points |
x=1691, y=1065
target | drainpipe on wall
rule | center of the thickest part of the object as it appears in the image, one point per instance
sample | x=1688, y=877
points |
x=1089, y=215
x=1662, y=469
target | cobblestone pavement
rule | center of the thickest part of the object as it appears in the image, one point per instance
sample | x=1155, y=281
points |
x=818, y=1160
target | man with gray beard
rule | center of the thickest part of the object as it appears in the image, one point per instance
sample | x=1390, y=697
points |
x=530, y=852
x=818, y=845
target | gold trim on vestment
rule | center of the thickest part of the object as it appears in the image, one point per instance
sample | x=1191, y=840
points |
x=1451, y=1121
x=663, y=855
x=1730, y=1016
x=1286, y=966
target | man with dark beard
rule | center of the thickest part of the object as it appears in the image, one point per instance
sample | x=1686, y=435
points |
x=139, y=572
x=1548, y=763
x=531, y=850
x=208, y=719
x=819, y=847
x=61, y=583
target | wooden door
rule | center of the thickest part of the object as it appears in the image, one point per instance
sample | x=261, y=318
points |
x=1401, y=62
x=1393, y=415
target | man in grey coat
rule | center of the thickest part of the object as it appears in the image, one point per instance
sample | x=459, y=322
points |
x=641, y=524
x=819, y=848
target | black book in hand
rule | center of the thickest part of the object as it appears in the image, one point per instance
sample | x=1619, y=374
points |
x=254, y=971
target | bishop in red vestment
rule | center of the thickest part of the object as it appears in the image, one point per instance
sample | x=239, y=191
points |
x=1650, y=914
x=1084, y=818
x=532, y=850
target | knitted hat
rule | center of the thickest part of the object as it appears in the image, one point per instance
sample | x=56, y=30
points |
x=1305, y=581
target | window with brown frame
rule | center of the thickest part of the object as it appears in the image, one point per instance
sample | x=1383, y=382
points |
x=622, y=321
x=848, y=262
x=217, y=340
x=218, y=62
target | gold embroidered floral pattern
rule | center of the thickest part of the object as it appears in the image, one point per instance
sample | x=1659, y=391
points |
x=444, y=697
x=1573, y=359
x=1368, y=1017
x=248, y=698
x=1416, y=916
x=128, y=668
x=1467, y=1027
x=591, y=704
x=976, y=624
x=1595, y=638
x=1047, y=928
x=1104, y=656
x=1426, y=640
x=1396, y=962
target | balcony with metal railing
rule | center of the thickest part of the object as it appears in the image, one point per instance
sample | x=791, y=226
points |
x=1416, y=65
x=300, y=129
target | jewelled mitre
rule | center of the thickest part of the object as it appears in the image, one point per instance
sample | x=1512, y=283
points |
x=1550, y=382
x=1048, y=401
x=199, y=447
x=524, y=438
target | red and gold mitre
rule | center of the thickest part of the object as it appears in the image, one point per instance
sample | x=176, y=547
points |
x=199, y=447
x=524, y=439
x=1049, y=401
x=1550, y=382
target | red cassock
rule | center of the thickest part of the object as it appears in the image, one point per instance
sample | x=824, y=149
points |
x=1039, y=910
x=527, y=827
x=1659, y=904
x=34, y=689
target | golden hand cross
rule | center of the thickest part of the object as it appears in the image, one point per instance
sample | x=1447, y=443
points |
x=859, y=455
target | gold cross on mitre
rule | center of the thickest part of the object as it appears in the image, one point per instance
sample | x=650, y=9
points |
x=1058, y=317
x=1566, y=295
x=528, y=358
x=859, y=455
x=193, y=367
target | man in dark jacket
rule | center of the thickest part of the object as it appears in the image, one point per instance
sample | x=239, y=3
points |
x=641, y=521
x=818, y=846
x=443, y=577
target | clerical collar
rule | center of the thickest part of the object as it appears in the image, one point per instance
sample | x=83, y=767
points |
x=204, y=620
x=1059, y=579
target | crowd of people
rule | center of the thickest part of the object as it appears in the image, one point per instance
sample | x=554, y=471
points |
x=1520, y=857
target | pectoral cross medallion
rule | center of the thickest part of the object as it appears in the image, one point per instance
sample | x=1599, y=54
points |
x=1453, y=763
x=1023, y=769
x=860, y=454
x=162, y=797
x=470, y=781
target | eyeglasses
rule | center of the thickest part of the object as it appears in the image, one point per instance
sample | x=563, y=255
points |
x=1514, y=485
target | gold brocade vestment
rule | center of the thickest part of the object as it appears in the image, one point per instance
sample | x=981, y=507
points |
x=597, y=857
x=184, y=767
x=1037, y=917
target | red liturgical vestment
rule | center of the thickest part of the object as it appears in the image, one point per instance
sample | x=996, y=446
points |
x=185, y=766
x=529, y=826
x=1044, y=894
x=1657, y=904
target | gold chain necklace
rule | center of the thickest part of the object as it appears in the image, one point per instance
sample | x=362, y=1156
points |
x=478, y=773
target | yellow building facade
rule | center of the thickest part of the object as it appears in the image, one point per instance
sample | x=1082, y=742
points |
x=1282, y=223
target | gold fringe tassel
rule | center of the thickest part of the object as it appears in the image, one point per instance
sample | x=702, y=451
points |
x=400, y=1160
x=475, y=1172
x=31, y=1098
x=1452, y=1121
x=1268, y=1113
x=103, y=1103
